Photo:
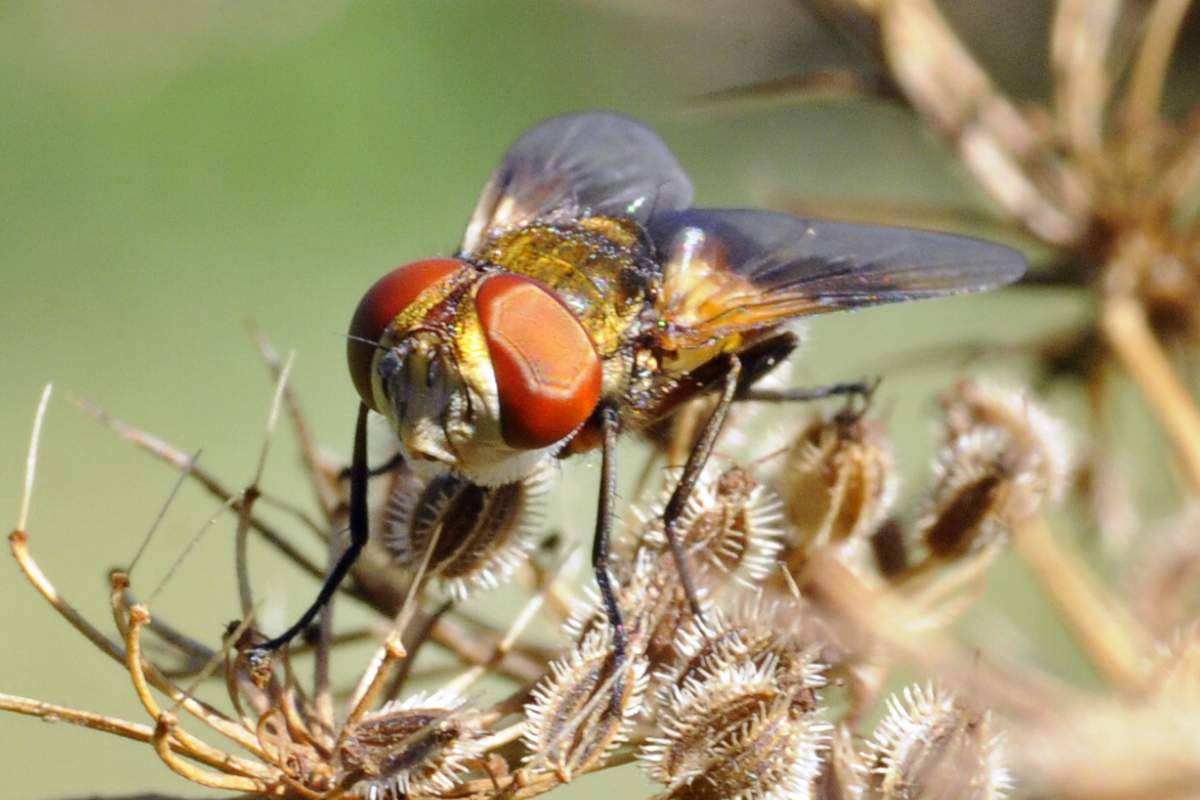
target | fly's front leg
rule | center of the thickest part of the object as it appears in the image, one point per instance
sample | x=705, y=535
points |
x=610, y=423
x=691, y=473
x=359, y=524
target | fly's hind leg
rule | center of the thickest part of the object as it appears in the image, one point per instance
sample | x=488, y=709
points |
x=863, y=389
x=697, y=458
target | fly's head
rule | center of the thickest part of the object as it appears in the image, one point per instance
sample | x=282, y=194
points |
x=486, y=374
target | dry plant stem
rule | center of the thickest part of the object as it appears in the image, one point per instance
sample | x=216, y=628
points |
x=164, y=730
x=31, y=458
x=470, y=649
x=99, y=722
x=252, y=493
x=328, y=494
x=1079, y=48
x=153, y=676
x=375, y=678
x=180, y=460
x=322, y=690
x=18, y=542
x=469, y=677
x=1129, y=334
x=888, y=623
x=190, y=745
x=1153, y=59
x=1110, y=637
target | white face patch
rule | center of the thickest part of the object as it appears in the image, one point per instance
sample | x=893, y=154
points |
x=447, y=419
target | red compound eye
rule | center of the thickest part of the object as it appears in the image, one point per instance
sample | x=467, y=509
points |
x=547, y=371
x=382, y=303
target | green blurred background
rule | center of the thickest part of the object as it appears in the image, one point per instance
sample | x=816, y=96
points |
x=169, y=171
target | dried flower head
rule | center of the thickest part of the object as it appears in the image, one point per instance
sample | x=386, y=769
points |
x=931, y=746
x=414, y=746
x=583, y=710
x=653, y=607
x=1004, y=459
x=758, y=632
x=734, y=732
x=479, y=534
x=838, y=482
x=730, y=526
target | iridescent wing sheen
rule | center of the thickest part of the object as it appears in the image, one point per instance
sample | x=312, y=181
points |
x=729, y=271
x=595, y=163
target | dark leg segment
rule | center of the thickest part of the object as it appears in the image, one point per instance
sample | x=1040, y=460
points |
x=358, y=538
x=604, y=517
x=862, y=389
x=691, y=473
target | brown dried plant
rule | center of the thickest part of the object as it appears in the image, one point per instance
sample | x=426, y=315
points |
x=1098, y=176
x=768, y=694
x=819, y=588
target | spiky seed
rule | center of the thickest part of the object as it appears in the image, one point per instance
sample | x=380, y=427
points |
x=1003, y=460
x=838, y=482
x=1039, y=444
x=929, y=746
x=965, y=510
x=415, y=746
x=734, y=734
x=583, y=709
x=889, y=548
x=715, y=643
x=730, y=525
x=483, y=533
x=843, y=774
x=653, y=605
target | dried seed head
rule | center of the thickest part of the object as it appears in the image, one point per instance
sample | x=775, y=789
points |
x=416, y=746
x=838, y=482
x=843, y=775
x=734, y=733
x=716, y=643
x=964, y=511
x=931, y=747
x=730, y=526
x=583, y=710
x=889, y=548
x=483, y=533
x=1004, y=459
x=653, y=606
x=1039, y=447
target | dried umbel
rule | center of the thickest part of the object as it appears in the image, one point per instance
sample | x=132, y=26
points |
x=730, y=526
x=479, y=535
x=1003, y=461
x=415, y=746
x=763, y=695
x=732, y=731
x=838, y=482
x=930, y=746
x=584, y=709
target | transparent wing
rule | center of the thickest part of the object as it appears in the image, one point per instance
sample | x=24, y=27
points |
x=730, y=270
x=597, y=163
